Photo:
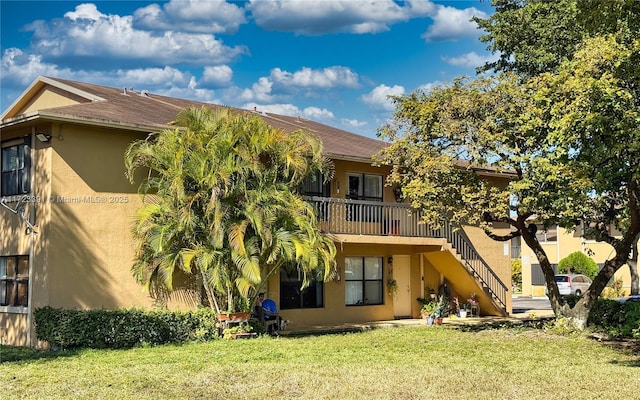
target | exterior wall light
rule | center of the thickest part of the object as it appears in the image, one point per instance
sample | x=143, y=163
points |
x=43, y=137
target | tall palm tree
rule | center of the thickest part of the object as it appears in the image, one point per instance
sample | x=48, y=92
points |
x=221, y=203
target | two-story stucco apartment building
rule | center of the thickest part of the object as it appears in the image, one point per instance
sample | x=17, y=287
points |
x=558, y=243
x=63, y=173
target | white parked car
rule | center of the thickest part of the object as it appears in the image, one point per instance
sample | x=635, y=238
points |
x=572, y=284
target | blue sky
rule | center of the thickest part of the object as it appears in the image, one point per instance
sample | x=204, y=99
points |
x=331, y=61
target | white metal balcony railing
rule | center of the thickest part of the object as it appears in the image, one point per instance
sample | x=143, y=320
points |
x=345, y=216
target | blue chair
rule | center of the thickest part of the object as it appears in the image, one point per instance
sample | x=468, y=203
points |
x=270, y=306
x=271, y=317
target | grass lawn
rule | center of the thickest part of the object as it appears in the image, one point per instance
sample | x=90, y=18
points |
x=394, y=363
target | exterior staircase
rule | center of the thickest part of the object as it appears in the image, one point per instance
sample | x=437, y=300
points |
x=475, y=265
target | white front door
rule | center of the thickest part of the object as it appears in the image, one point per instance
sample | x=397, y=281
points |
x=402, y=275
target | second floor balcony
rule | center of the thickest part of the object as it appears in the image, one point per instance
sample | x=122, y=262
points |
x=357, y=217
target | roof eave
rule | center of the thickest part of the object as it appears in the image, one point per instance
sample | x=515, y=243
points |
x=40, y=82
x=49, y=116
x=343, y=157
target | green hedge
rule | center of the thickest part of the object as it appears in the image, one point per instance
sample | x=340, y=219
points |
x=123, y=328
x=619, y=320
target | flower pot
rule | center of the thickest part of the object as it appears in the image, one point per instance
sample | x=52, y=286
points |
x=439, y=321
x=463, y=313
x=429, y=320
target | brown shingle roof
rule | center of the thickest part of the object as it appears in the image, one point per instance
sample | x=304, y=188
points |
x=146, y=109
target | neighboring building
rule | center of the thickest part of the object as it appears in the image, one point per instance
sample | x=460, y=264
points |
x=62, y=160
x=557, y=244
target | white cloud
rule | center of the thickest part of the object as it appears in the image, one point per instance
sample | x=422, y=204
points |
x=260, y=91
x=217, y=76
x=353, y=123
x=318, y=17
x=152, y=77
x=282, y=109
x=317, y=114
x=291, y=110
x=330, y=77
x=202, y=16
x=470, y=60
x=18, y=69
x=84, y=11
x=281, y=84
x=378, y=97
x=450, y=23
x=427, y=87
x=99, y=38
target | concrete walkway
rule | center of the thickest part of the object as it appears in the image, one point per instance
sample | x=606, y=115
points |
x=302, y=330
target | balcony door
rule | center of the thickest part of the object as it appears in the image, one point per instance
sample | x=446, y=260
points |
x=365, y=187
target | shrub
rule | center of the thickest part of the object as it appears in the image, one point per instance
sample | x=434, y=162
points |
x=516, y=273
x=579, y=263
x=614, y=290
x=561, y=326
x=619, y=320
x=122, y=328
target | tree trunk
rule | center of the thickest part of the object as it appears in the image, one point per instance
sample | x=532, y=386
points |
x=213, y=304
x=530, y=239
x=578, y=315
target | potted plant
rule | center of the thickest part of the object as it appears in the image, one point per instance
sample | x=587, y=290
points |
x=392, y=287
x=456, y=305
x=427, y=312
x=241, y=331
x=439, y=310
x=471, y=306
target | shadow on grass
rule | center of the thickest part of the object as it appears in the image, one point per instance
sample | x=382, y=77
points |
x=16, y=354
x=631, y=363
x=486, y=325
x=627, y=345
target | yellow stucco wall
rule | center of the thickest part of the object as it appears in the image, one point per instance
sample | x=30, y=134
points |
x=16, y=240
x=84, y=208
x=49, y=97
x=335, y=310
x=340, y=182
x=92, y=211
x=567, y=243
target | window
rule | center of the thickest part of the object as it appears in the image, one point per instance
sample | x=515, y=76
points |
x=537, y=276
x=516, y=246
x=14, y=281
x=363, y=280
x=364, y=187
x=549, y=234
x=314, y=185
x=291, y=296
x=16, y=167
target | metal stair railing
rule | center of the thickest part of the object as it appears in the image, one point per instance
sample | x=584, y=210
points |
x=475, y=265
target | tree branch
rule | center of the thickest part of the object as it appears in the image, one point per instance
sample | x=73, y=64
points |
x=499, y=238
